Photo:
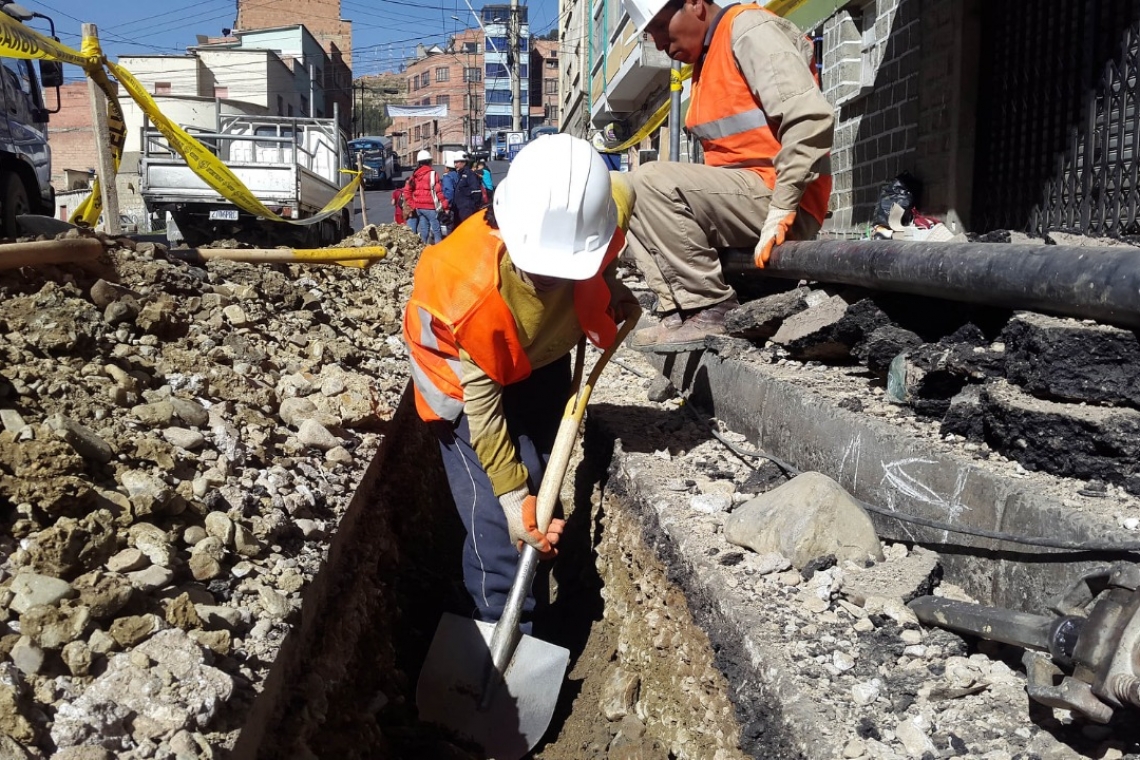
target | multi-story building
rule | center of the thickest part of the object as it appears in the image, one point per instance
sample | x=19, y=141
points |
x=451, y=79
x=333, y=33
x=544, y=105
x=500, y=22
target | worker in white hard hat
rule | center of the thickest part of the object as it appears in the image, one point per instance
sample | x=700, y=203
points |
x=766, y=130
x=494, y=313
x=424, y=193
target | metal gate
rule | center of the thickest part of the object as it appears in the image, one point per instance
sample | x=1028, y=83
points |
x=1057, y=124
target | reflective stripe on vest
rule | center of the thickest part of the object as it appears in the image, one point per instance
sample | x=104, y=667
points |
x=734, y=131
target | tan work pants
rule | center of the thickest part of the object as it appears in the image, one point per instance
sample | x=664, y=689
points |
x=682, y=214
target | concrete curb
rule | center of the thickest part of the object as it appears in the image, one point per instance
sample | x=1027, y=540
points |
x=881, y=465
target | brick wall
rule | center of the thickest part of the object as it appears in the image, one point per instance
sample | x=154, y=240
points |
x=70, y=134
x=899, y=74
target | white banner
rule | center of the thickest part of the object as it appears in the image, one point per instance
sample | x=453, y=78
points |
x=422, y=112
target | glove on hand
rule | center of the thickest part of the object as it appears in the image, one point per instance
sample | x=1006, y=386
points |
x=519, y=507
x=773, y=232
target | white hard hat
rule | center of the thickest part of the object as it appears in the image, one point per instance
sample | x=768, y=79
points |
x=450, y=162
x=460, y=156
x=423, y=155
x=555, y=210
x=641, y=12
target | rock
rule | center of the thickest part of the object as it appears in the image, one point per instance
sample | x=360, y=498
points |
x=866, y=692
x=104, y=293
x=965, y=417
x=204, y=567
x=189, y=412
x=295, y=410
x=220, y=526
x=28, y=657
x=129, y=631
x=219, y=642
x=126, y=561
x=710, y=503
x=76, y=655
x=180, y=613
x=151, y=579
x=148, y=494
x=660, y=389
x=11, y=421
x=218, y=617
x=245, y=543
x=854, y=749
x=184, y=438
x=275, y=604
x=13, y=722
x=33, y=589
x=619, y=694
x=158, y=706
x=914, y=739
x=71, y=546
x=882, y=346
x=159, y=414
x=759, y=320
x=912, y=576
x=104, y=594
x=85, y=441
x=314, y=434
x=809, y=516
x=892, y=608
x=766, y=564
x=828, y=331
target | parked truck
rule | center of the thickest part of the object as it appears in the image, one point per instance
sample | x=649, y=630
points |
x=25, y=158
x=292, y=165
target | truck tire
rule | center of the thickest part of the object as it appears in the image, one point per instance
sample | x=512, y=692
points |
x=13, y=202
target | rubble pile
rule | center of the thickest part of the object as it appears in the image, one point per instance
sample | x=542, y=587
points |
x=177, y=444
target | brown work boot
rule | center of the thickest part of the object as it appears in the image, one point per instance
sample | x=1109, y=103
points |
x=647, y=338
x=691, y=335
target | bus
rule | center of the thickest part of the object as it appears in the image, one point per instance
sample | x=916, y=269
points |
x=544, y=129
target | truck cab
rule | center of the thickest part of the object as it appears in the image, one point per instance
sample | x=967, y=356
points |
x=377, y=159
x=25, y=158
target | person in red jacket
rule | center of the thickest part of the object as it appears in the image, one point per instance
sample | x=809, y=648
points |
x=398, y=205
x=494, y=312
x=424, y=192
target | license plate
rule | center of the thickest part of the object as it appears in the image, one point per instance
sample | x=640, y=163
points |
x=224, y=214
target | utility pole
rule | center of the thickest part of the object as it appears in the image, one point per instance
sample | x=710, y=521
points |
x=515, y=30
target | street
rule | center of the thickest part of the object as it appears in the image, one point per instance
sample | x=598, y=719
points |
x=378, y=209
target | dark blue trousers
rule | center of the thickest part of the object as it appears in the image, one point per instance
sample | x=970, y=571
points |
x=533, y=410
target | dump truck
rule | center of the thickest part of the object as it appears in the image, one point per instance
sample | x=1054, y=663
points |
x=25, y=158
x=292, y=165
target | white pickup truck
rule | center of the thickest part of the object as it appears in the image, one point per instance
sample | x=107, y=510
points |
x=292, y=165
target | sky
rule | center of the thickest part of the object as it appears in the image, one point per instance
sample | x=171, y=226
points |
x=384, y=31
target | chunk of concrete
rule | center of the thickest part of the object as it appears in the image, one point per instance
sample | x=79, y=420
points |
x=1070, y=360
x=807, y=517
x=760, y=319
x=1072, y=440
x=883, y=345
x=828, y=331
x=907, y=578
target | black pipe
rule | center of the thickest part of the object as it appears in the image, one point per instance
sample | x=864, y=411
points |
x=1090, y=283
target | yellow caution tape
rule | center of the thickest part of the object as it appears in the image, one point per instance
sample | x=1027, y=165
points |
x=658, y=118
x=19, y=41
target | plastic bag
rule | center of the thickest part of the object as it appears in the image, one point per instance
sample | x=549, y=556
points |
x=902, y=191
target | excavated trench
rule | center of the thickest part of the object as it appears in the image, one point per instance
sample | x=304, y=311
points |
x=344, y=683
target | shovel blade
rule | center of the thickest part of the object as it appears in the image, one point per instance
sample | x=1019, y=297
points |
x=451, y=686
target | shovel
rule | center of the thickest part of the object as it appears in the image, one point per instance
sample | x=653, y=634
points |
x=490, y=682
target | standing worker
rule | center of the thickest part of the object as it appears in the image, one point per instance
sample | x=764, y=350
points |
x=494, y=313
x=470, y=196
x=425, y=194
x=766, y=130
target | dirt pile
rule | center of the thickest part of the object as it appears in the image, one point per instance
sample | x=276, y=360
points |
x=177, y=443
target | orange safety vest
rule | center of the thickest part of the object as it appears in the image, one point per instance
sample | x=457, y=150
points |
x=456, y=302
x=730, y=123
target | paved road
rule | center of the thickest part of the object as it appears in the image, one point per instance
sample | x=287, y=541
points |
x=378, y=206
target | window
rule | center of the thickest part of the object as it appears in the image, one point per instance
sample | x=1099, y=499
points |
x=497, y=71
x=426, y=101
x=552, y=63
x=304, y=106
x=472, y=103
x=471, y=48
x=413, y=84
x=290, y=109
x=443, y=100
x=442, y=74
x=280, y=106
x=498, y=121
x=550, y=86
x=551, y=113
x=418, y=133
x=162, y=88
x=472, y=74
x=425, y=79
x=221, y=92
x=499, y=95
x=524, y=45
x=498, y=44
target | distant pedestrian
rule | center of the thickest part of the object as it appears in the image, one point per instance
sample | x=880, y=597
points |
x=485, y=174
x=398, y=205
x=470, y=195
x=425, y=194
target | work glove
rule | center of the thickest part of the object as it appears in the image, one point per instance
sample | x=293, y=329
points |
x=622, y=190
x=773, y=232
x=519, y=506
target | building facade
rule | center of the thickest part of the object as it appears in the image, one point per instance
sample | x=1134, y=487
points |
x=332, y=33
x=448, y=77
x=544, y=84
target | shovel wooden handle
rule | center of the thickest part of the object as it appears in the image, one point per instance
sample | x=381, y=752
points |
x=283, y=255
x=13, y=255
x=571, y=420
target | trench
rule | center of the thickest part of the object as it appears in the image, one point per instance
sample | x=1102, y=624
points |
x=343, y=685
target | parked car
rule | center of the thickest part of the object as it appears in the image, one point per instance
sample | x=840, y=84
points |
x=378, y=161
